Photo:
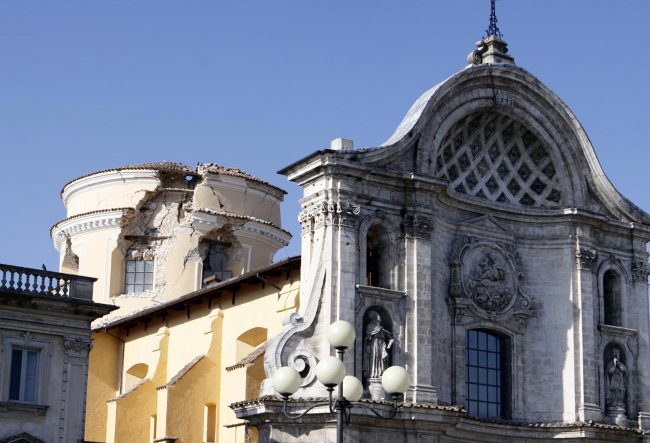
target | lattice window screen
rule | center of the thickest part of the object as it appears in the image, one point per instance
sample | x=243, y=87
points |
x=491, y=156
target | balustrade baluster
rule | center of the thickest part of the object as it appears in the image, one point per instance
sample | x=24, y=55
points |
x=11, y=280
x=36, y=281
x=23, y=278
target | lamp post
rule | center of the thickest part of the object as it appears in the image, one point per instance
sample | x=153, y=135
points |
x=330, y=371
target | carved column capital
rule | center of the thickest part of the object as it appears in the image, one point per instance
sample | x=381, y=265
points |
x=640, y=271
x=418, y=226
x=586, y=259
x=328, y=212
x=77, y=347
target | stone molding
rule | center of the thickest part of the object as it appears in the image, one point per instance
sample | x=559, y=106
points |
x=252, y=229
x=617, y=331
x=86, y=223
x=10, y=406
x=328, y=212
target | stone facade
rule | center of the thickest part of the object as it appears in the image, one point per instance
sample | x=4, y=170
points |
x=44, y=345
x=486, y=212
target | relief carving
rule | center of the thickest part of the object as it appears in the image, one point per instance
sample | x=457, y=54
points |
x=488, y=283
x=484, y=283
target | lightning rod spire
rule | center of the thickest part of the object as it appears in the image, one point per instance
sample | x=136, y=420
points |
x=493, y=28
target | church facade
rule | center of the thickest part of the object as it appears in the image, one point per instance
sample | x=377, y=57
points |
x=507, y=273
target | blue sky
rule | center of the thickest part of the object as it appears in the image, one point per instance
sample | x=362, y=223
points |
x=258, y=84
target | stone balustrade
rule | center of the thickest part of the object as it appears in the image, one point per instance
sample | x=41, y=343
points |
x=16, y=279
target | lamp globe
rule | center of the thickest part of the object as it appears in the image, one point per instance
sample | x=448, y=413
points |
x=352, y=388
x=341, y=334
x=395, y=380
x=330, y=371
x=286, y=381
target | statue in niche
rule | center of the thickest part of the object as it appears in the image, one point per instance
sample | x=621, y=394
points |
x=616, y=379
x=377, y=343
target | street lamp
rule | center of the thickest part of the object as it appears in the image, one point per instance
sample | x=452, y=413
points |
x=330, y=371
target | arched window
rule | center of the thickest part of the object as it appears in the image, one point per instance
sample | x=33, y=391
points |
x=612, y=298
x=487, y=375
x=377, y=257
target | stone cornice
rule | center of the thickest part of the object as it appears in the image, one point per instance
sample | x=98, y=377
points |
x=82, y=223
x=251, y=228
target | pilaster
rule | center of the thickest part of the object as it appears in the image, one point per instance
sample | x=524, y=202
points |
x=419, y=292
x=640, y=302
x=586, y=362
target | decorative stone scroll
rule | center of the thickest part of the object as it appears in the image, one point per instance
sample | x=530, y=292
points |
x=485, y=280
x=587, y=259
x=418, y=226
x=640, y=271
x=328, y=212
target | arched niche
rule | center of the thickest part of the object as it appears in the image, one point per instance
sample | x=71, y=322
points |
x=379, y=255
x=613, y=293
x=612, y=298
x=135, y=374
x=246, y=344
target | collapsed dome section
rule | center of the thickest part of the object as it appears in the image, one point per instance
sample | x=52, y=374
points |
x=156, y=231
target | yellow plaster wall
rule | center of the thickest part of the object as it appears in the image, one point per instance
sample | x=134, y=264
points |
x=103, y=382
x=133, y=415
x=211, y=331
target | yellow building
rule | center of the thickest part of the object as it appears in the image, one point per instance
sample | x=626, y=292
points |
x=169, y=373
x=186, y=254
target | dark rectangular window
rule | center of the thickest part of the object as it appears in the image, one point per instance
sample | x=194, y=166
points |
x=23, y=378
x=486, y=382
x=139, y=276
